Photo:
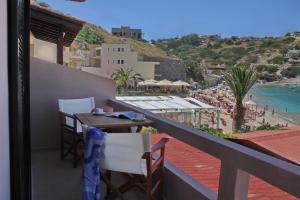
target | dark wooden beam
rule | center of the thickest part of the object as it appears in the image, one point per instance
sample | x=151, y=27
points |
x=46, y=25
x=60, y=47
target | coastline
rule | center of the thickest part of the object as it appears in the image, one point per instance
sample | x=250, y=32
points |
x=290, y=81
x=269, y=100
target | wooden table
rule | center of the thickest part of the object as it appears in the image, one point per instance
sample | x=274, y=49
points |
x=105, y=122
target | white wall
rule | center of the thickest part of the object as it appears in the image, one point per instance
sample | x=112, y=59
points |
x=4, y=133
x=46, y=50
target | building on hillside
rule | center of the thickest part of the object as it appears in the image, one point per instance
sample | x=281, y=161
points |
x=127, y=32
x=170, y=69
x=116, y=56
x=215, y=69
x=85, y=55
x=52, y=46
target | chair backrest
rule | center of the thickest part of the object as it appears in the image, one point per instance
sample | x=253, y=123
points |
x=71, y=106
x=123, y=152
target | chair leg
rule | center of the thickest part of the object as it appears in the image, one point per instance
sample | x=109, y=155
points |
x=108, y=175
x=149, y=188
x=112, y=191
x=161, y=184
x=62, y=141
x=75, y=158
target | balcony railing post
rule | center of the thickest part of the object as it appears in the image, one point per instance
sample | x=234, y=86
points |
x=233, y=183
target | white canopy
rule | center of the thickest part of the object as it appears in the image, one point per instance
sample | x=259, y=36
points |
x=164, y=82
x=164, y=103
x=199, y=103
x=149, y=82
x=181, y=83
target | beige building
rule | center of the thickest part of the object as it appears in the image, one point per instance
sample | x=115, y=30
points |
x=116, y=56
x=85, y=55
x=127, y=32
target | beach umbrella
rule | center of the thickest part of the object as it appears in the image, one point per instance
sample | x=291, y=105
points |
x=165, y=82
x=149, y=82
x=250, y=102
x=181, y=83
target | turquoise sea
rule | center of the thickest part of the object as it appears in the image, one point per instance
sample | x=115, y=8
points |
x=281, y=98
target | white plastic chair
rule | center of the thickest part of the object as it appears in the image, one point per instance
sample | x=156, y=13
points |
x=71, y=126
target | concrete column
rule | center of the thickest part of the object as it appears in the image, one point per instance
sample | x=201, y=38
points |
x=60, y=48
x=233, y=183
x=4, y=119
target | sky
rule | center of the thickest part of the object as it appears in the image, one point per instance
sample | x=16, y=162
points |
x=170, y=18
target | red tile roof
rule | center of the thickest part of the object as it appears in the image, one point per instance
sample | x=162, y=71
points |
x=281, y=143
x=206, y=169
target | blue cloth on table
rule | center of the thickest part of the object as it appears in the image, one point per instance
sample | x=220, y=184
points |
x=127, y=115
x=91, y=172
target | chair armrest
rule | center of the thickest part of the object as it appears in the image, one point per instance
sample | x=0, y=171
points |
x=63, y=114
x=159, y=145
x=63, y=117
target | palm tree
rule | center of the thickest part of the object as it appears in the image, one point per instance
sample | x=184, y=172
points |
x=124, y=78
x=240, y=79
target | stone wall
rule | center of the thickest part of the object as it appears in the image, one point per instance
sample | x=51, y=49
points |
x=169, y=69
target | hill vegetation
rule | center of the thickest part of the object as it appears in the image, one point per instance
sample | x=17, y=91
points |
x=97, y=35
x=197, y=52
x=268, y=54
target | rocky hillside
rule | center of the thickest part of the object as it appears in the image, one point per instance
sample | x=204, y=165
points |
x=142, y=47
x=197, y=52
x=270, y=54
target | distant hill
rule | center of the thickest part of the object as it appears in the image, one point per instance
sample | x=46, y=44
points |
x=142, y=47
x=198, y=52
x=229, y=51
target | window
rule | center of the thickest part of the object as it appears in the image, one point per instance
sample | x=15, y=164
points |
x=119, y=49
x=118, y=61
x=122, y=49
x=107, y=61
x=113, y=49
x=108, y=49
x=122, y=61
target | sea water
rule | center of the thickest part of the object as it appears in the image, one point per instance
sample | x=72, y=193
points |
x=284, y=99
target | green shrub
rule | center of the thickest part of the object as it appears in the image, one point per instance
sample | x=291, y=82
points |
x=88, y=35
x=268, y=127
x=278, y=60
x=149, y=130
x=288, y=39
x=252, y=59
x=291, y=72
x=214, y=132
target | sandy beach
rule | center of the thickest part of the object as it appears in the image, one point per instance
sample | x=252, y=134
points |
x=256, y=115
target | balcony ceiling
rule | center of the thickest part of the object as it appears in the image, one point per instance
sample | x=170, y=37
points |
x=47, y=25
